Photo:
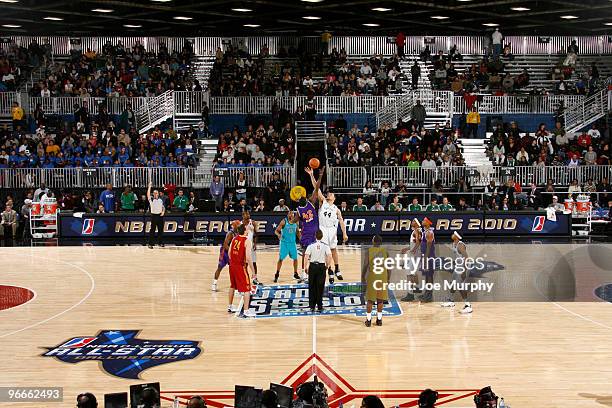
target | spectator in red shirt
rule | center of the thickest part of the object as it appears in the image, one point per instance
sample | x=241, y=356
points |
x=400, y=41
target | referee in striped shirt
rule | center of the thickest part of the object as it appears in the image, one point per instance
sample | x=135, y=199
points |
x=157, y=208
x=317, y=258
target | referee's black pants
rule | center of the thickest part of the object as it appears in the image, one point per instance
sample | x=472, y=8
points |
x=157, y=225
x=316, y=285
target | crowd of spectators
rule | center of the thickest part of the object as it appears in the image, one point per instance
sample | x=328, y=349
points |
x=118, y=71
x=407, y=144
x=17, y=62
x=257, y=146
x=510, y=146
x=237, y=73
x=103, y=146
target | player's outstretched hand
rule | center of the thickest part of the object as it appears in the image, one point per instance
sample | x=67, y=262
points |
x=308, y=170
x=345, y=238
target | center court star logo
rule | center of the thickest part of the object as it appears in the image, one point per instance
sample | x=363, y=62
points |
x=339, y=390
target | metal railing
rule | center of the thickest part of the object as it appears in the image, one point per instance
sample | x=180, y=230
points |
x=155, y=110
x=354, y=45
x=356, y=177
x=517, y=104
x=186, y=102
x=137, y=177
x=587, y=111
x=399, y=108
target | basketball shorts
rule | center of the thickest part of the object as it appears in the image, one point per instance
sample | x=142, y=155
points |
x=288, y=249
x=330, y=237
x=307, y=239
x=223, y=258
x=239, y=278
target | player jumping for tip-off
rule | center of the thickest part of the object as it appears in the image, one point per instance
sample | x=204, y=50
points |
x=309, y=218
x=460, y=251
x=329, y=218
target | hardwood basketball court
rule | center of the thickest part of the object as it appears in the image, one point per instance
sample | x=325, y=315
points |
x=541, y=354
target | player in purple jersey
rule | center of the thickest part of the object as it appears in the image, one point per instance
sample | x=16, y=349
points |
x=224, y=253
x=309, y=216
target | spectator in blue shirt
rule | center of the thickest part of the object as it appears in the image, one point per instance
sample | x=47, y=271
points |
x=107, y=198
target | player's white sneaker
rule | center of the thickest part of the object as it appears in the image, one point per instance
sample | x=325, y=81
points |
x=231, y=309
x=467, y=309
x=214, y=287
x=448, y=304
x=249, y=313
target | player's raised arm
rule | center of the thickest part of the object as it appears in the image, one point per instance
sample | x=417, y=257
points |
x=342, y=226
x=462, y=249
x=316, y=184
x=149, y=191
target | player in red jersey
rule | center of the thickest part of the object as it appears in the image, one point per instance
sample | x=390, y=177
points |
x=240, y=260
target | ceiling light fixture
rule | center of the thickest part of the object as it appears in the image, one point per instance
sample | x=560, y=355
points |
x=311, y=18
x=242, y=10
x=53, y=18
x=162, y=1
x=312, y=1
x=101, y=10
x=9, y=1
x=371, y=24
x=569, y=17
x=490, y=24
x=252, y=25
x=383, y=9
x=132, y=25
x=439, y=17
x=520, y=8
x=608, y=24
x=182, y=18
x=11, y=26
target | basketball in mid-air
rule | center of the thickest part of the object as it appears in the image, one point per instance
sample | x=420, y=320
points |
x=314, y=163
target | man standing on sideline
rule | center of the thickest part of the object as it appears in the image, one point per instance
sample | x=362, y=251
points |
x=317, y=260
x=157, y=216
x=240, y=261
x=107, y=198
x=181, y=202
x=128, y=200
x=216, y=192
x=376, y=280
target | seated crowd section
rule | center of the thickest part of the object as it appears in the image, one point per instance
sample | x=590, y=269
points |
x=117, y=71
x=16, y=63
x=296, y=72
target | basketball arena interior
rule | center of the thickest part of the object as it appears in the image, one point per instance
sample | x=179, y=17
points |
x=305, y=203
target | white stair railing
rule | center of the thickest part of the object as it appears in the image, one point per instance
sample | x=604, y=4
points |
x=155, y=111
x=588, y=111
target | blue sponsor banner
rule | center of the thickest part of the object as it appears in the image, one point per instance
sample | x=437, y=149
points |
x=292, y=300
x=359, y=224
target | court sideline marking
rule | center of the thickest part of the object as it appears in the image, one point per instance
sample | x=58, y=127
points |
x=314, y=334
x=582, y=317
x=91, y=289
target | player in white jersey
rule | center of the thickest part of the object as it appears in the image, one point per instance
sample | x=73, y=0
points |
x=251, y=231
x=414, y=251
x=329, y=218
x=460, y=273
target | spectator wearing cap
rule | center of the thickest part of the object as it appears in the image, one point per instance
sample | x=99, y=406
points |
x=281, y=206
x=556, y=204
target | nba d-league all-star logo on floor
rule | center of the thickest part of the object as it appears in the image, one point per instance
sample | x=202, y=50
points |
x=122, y=354
x=292, y=300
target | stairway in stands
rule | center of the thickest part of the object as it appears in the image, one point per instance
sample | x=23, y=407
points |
x=474, y=152
x=202, y=66
x=207, y=150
